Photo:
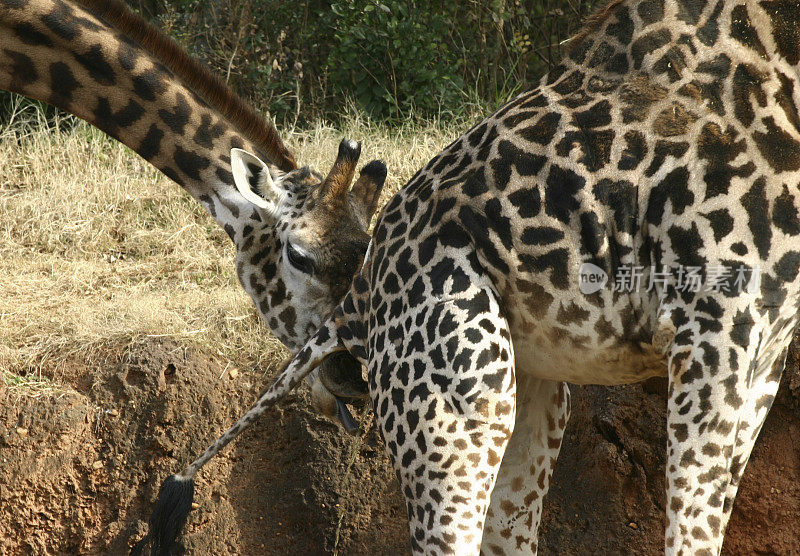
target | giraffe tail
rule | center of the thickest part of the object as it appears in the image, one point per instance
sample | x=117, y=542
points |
x=177, y=491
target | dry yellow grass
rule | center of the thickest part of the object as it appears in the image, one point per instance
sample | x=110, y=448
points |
x=98, y=250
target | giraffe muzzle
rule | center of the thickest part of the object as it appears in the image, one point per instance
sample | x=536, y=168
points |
x=341, y=375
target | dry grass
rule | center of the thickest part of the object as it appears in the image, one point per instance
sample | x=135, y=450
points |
x=98, y=250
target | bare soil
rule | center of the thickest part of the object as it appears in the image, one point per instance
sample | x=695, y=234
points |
x=80, y=468
x=607, y=494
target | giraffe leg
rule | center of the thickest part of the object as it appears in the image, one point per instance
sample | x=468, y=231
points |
x=512, y=524
x=445, y=408
x=758, y=404
x=722, y=383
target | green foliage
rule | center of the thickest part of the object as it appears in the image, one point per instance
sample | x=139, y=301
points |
x=394, y=59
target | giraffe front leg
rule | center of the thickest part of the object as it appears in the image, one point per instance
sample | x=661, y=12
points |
x=512, y=523
x=722, y=384
x=444, y=393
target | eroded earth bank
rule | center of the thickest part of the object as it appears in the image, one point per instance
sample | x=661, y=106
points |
x=81, y=466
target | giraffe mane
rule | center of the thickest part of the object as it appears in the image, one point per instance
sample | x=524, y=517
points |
x=197, y=77
x=593, y=22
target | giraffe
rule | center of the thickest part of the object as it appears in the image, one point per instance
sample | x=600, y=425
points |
x=634, y=215
x=299, y=238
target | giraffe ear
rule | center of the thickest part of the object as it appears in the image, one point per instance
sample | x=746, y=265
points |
x=253, y=179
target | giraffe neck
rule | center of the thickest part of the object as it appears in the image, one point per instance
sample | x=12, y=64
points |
x=99, y=62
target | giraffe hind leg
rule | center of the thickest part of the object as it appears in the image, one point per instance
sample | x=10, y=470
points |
x=722, y=382
x=758, y=404
x=512, y=523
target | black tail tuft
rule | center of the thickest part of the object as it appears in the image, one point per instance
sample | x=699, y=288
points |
x=172, y=508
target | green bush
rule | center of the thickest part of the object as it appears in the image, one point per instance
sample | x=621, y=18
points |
x=393, y=58
x=303, y=60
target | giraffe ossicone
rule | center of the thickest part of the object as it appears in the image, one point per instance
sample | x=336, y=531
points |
x=668, y=138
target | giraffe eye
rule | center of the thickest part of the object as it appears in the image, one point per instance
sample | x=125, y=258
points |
x=299, y=260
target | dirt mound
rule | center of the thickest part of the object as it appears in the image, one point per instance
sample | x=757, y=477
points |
x=607, y=495
x=81, y=468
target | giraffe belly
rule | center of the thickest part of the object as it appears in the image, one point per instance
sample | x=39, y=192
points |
x=625, y=362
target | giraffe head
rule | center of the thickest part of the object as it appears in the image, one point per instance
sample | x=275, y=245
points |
x=305, y=240
x=299, y=238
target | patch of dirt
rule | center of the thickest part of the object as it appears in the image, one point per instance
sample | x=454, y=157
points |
x=79, y=471
x=607, y=494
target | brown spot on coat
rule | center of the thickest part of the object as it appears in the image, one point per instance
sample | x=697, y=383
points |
x=674, y=120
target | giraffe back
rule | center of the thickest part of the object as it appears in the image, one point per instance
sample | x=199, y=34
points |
x=665, y=147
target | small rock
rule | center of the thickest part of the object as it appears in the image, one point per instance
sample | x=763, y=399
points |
x=233, y=373
x=97, y=465
x=113, y=412
x=632, y=525
x=22, y=432
x=195, y=505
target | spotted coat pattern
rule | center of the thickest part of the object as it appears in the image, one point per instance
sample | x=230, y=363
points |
x=96, y=60
x=669, y=137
